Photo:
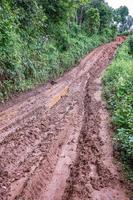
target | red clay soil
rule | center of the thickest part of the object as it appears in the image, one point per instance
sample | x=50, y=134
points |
x=55, y=142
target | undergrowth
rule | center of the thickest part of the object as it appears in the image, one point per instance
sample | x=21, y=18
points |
x=118, y=90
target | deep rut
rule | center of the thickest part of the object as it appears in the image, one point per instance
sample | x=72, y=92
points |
x=56, y=141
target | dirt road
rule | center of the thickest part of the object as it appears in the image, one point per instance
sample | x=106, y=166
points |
x=55, y=142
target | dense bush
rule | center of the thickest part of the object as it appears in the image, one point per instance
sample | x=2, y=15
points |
x=118, y=88
x=110, y=33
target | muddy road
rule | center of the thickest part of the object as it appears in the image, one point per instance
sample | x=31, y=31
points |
x=55, y=141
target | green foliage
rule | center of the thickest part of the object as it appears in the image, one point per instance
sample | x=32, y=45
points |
x=110, y=33
x=105, y=16
x=79, y=46
x=130, y=44
x=105, y=12
x=61, y=10
x=118, y=88
x=122, y=13
x=94, y=20
x=10, y=45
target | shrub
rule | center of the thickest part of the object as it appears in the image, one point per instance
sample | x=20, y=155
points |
x=109, y=33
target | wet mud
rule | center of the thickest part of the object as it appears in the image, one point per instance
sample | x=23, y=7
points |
x=55, y=141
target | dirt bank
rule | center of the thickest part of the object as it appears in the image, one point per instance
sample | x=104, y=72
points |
x=60, y=133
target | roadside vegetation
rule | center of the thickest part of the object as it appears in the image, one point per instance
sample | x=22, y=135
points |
x=39, y=40
x=118, y=89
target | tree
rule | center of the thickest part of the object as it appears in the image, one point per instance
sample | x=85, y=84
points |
x=121, y=15
x=93, y=20
x=81, y=11
x=105, y=13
